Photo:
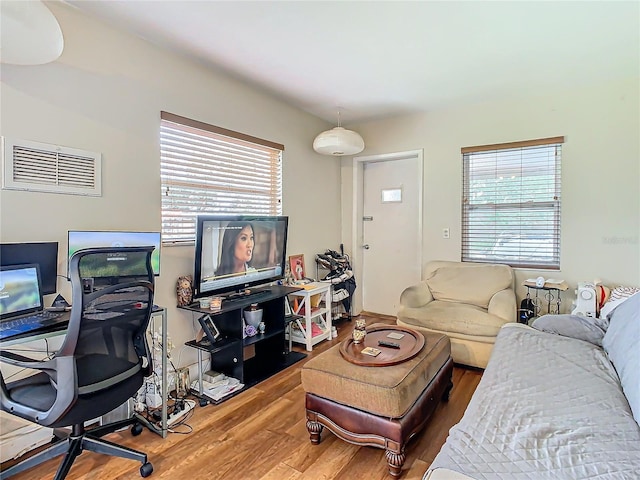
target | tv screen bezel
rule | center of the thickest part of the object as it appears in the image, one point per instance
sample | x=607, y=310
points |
x=241, y=285
x=158, y=247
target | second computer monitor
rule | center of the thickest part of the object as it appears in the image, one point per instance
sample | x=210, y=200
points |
x=45, y=254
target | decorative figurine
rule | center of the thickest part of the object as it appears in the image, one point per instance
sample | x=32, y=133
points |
x=261, y=327
x=359, y=331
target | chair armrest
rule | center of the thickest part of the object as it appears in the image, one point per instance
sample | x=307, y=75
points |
x=503, y=305
x=416, y=296
x=26, y=362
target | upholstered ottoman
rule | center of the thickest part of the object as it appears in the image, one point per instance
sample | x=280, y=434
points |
x=381, y=406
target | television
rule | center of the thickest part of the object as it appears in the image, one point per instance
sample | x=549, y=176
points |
x=79, y=240
x=234, y=253
x=45, y=254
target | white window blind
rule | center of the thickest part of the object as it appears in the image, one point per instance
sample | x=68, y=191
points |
x=210, y=170
x=511, y=203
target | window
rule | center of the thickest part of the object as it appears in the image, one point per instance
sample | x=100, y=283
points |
x=206, y=169
x=511, y=203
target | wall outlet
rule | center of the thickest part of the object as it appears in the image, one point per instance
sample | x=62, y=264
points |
x=445, y=233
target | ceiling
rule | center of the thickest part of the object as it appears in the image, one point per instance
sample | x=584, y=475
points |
x=372, y=60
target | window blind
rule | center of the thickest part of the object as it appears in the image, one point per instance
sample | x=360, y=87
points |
x=511, y=203
x=210, y=170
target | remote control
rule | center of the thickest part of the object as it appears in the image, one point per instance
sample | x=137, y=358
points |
x=383, y=343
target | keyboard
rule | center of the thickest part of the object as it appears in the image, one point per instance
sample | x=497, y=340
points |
x=29, y=323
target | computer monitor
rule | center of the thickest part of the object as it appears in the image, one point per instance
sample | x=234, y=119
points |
x=45, y=254
x=88, y=239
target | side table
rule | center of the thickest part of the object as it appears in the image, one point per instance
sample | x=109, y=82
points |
x=314, y=309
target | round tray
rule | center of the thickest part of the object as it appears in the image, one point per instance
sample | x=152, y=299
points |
x=410, y=345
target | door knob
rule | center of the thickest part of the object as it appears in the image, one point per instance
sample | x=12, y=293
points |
x=365, y=246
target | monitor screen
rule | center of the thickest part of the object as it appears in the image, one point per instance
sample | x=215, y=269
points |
x=88, y=239
x=45, y=254
x=234, y=253
x=19, y=290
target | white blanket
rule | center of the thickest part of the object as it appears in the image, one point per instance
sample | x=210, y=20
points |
x=547, y=407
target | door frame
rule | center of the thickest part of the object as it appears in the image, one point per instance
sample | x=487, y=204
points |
x=358, y=212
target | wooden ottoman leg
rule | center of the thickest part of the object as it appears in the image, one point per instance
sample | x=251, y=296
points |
x=314, y=428
x=447, y=391
x=395, y=461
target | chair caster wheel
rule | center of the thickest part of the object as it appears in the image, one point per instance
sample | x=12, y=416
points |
x=146, y=469
x=203, y=402
x=136, y=430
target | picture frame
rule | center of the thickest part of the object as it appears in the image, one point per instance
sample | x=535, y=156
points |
x=287, y=307
x=209, y=327
x=296, y=263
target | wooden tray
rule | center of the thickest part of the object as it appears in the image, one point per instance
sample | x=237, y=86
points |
x=410, y=345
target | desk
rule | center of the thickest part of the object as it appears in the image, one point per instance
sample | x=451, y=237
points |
x=161, y=311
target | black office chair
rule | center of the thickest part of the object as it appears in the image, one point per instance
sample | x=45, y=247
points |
x=101, y=364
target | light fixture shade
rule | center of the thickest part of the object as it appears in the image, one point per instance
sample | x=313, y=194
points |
x=338, y=141
x=30, y=34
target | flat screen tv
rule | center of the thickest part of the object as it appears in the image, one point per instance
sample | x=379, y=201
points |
x=45, y=254
x=234, y=253
x=79, y=239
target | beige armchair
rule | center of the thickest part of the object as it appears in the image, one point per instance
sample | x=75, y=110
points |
x=468, y=302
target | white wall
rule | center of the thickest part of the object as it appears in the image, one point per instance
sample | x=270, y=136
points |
x=600, y=173
x=105, y=95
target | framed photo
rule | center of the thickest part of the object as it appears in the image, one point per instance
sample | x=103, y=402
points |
x=296, y=262
x=209, y=327
x=287, y=307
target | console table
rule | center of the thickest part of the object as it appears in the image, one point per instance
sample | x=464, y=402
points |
x=250, y=359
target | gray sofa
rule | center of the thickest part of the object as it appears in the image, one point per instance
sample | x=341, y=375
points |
x=562, y=405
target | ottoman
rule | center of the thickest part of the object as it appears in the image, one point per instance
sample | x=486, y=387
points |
x=381, y=406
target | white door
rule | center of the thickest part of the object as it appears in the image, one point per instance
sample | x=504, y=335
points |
x=391, y=231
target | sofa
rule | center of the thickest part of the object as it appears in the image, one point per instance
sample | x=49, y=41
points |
x=468, y=302
x=556, y=401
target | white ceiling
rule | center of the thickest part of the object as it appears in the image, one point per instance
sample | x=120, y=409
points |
x=378, y=59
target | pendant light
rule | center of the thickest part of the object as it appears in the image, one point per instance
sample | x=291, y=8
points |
x=338, y=141
x=31, y=35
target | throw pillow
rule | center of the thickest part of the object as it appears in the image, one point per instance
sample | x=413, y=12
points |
x=622, y=344
x=617, y=297
x=583, y=328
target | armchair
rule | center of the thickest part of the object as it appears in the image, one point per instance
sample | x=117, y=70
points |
x=468, y=302
x=100, y=365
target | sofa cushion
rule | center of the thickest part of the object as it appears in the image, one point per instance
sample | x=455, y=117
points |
x=622, y=344
x=583, y=328
x=446, y=316
x=469, y=284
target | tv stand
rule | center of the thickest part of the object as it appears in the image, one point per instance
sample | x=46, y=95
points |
x=250, y=359
x=251, y=296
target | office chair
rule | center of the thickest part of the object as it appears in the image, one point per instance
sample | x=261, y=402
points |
x=100, y=365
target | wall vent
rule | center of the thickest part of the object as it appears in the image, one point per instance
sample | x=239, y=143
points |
x=41, y=167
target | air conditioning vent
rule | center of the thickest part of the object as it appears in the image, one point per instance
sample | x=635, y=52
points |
x=42, y=167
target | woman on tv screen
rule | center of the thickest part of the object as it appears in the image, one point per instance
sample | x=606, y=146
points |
x=237, y=249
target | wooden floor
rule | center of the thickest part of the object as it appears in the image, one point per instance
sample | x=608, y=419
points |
x=261, y=434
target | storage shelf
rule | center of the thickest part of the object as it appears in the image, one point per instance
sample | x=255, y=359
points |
x=249, y=359
x=260, y=337
x=308, y=315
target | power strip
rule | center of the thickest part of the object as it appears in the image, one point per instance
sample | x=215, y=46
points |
x=176, y=416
